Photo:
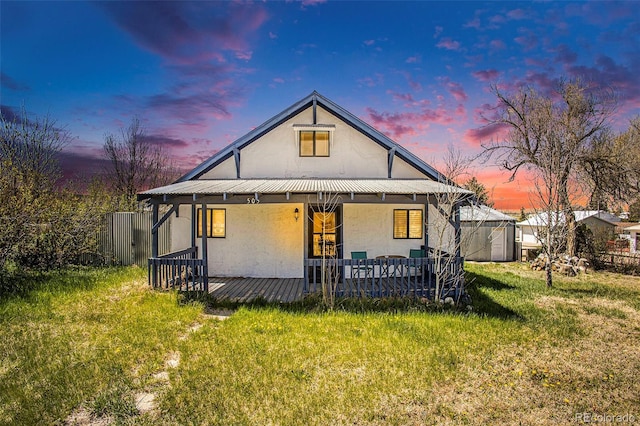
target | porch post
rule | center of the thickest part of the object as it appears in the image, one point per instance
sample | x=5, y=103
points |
x=154, y=235
x=205, y=267
x=456, y=227
x=194, y=224
x=426, y=227
x=154, y=245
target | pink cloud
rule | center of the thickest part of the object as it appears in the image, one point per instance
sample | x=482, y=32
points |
x=474, y=23
x=448, y=43
x=413, y=59
x=372, y=81
x=399, y=125
x=166, y=142
x=455, y=89
x=183, y=32
x=246, y=56
x=404, y=97
x=486, y=75
x=517, y=14
x=485, y=134
x=607, y=73
x=528, y=40
x=565, y=55
x=497, y=45
x=394, y=124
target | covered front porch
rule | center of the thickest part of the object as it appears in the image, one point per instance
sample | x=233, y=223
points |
x=273, y=230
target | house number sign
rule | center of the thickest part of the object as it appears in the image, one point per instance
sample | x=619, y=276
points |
x=253, y=200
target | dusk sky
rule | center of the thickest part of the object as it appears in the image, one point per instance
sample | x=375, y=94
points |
x=199, y=75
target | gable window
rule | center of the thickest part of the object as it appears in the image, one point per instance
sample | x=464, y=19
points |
x=216, y=223
x=314, y=143
x=407, y=223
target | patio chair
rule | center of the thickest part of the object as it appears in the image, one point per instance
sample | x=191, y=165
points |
x=357, y=269
x=416, y=254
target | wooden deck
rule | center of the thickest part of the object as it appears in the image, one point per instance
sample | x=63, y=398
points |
x=248, y=289
x=287, y=290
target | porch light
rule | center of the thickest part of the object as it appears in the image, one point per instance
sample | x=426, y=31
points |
x=296, y=213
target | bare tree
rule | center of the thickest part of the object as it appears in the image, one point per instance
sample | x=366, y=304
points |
x=552, y=228
x=135, y=163
x=550, y=135
x=443, y=216
x=321, y=211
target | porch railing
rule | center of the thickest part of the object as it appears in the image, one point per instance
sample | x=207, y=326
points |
x=180, y=270
x=387, y=277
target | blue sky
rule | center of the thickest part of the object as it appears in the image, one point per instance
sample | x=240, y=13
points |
x=199, y=75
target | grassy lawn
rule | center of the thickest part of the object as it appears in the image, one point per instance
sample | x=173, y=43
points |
x=93, y=346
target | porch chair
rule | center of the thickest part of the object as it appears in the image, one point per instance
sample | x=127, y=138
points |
x=416, y=254
x=358, y=268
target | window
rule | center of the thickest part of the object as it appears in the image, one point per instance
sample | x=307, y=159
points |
x=216, y=223
x=314, y=143
x=407, y=223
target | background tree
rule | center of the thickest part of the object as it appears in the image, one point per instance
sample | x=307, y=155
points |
x=44, y=223
x=634, y=211
x=549, y=135
x=482, y=195
x=135, y=163
x=30, y=171
x=611, y=168
x=523, y=215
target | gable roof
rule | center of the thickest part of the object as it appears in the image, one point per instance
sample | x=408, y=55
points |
x=600, y=214
x=312, y=100
x=541, y=218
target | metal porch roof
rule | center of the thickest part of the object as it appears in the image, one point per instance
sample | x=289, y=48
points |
x=303, y=186
x=483, y=213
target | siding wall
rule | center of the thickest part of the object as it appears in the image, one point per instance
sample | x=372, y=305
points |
x=477, y=241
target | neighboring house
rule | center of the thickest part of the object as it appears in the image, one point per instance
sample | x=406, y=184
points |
x=530, y=232
x=634, y=242
x=487, y=234
x=265, y=197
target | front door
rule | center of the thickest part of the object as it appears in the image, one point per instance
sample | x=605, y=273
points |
x=325, y=233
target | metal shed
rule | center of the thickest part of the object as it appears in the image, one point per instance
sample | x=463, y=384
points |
x=487, y=234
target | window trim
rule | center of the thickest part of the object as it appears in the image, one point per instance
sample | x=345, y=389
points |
x=298, y=128
x=408, y=230
x=315, y=143
x=210, y=222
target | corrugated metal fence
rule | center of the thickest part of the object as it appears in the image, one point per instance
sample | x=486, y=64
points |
x=125, y=238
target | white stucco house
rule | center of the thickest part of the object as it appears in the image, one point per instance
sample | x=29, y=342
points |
x=265, y=202
x=634, y=240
